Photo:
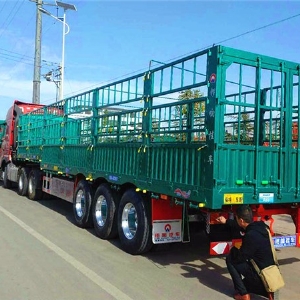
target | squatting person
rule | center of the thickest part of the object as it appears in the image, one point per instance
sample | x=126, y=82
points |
x=255, y=245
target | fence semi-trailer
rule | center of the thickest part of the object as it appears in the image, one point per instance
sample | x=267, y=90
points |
x=186, y=141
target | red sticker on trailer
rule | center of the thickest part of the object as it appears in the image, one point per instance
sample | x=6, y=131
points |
x=182, y=194
x=212, y=78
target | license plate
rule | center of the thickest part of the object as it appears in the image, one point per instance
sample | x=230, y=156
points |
x=266, y=197
x=233, y=199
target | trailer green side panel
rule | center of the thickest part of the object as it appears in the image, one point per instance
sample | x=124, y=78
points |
x=31, y=136
x=2, y=129
x=218, y=127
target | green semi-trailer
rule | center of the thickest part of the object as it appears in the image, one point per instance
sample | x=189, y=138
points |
x=185, y=141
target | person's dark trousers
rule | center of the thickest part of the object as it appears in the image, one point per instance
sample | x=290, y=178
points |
x=235, y=271
x=251, y=282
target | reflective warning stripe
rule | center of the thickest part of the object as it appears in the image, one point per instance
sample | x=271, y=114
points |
x=218, y=248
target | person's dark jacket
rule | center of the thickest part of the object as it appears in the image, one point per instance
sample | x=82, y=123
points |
x=255, y=245
x=233, y=224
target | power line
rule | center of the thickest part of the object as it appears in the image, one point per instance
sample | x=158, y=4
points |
x=14, y=11
x=16, y=59
x=10, y=55
x=239, y=35
x=15, y=53
x=141, y=70
x=5, y=2
x=259, y=28
x=23, y=58
x=195, y=51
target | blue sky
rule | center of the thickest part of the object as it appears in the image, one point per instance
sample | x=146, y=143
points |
x=110, y=39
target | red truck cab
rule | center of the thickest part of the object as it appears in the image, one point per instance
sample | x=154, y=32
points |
x=8, y=130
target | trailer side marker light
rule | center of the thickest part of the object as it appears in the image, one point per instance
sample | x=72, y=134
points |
x=201, y=204
x=264, y=182
x=89, y=177
x=239, y=182
x=199, y=149
x=163, y=197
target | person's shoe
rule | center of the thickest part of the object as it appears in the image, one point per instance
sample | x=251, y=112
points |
x=270, y=296
x=242, y=297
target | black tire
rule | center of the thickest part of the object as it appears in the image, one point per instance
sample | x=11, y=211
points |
x=35, y=185
x=6, y=182
x=82, y=203
x=23, y=181
x=134, y=223
x=105, y=205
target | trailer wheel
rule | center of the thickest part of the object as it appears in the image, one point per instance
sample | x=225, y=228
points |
x=134, y=223
x=82, y=203
x=23, y=181
x=105, y=204
x=6, y=182
x=34, y=185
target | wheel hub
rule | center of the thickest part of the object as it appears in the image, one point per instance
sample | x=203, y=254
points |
x=80, y=204
x=101, y=210
x=30, y=186
x=21, y=184
x=129, y=221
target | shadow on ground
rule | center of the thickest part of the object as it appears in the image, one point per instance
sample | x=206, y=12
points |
x=192, y=258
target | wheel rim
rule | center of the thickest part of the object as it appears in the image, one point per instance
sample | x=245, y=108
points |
x=101, y=210
x=129, y=221
x=30, y=186
x=21, y=183
x=80, y=203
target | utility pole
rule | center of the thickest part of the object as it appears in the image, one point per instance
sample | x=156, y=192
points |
x=37, y=56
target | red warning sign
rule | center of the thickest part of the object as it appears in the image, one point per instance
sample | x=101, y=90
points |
x=218, y=248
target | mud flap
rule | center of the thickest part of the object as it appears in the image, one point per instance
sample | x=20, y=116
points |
x=185, y=223
x=166, y=221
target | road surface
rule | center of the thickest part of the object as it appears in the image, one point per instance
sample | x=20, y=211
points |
x=44, y=256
